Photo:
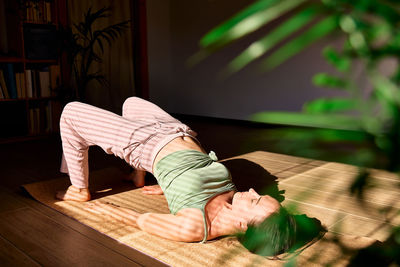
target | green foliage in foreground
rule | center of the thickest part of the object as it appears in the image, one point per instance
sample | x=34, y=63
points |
x=371, y=36
x=370, y=110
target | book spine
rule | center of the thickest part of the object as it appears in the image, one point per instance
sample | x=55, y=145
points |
x=28, y=80
x=55, y=77
x=48, y=12
x=10, y=80
x=23, y=85
x=18, y=85
x=44, y=77
x=3, y=84
x=1, y=92
x=3, y=29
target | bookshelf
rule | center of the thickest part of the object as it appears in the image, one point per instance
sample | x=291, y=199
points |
x=30, y=68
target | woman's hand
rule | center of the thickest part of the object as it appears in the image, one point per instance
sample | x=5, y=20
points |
x=152, y=190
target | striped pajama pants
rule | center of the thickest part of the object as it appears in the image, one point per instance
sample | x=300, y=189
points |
x=136, y=136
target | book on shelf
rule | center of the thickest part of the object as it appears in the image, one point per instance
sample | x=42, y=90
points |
x=23, y=84
x=28, y=81
x=34, y=121
x=32, y=83
x=55, y=76
x=40, y=82
x=3, y=29
x=40, y=120
x=3, y=84
x=1, y=93
x=20, y=81
x=38, y=12
x=9, y=77
x=18, y=85
x=44, y=81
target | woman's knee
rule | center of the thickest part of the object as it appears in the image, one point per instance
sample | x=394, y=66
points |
x=70, y=109
x=128, y=103
x=72, y=106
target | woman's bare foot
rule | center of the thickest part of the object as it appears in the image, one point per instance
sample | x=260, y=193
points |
x=137, y=177
x=74, y=193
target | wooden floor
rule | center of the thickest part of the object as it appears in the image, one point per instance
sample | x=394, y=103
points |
x=32, y=234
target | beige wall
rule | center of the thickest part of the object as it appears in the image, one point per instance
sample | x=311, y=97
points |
x=174, y=29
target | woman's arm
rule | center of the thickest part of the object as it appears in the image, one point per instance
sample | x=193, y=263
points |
x=188, y=227
x=185, y=228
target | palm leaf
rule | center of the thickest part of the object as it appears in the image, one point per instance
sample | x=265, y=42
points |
x=377, y=7
x=259, y=48
x=339, y=62
x=111, y=32
x=386, y=89
x=329, y=81
x=215, y=34
x=248, y=21
x=319, y=30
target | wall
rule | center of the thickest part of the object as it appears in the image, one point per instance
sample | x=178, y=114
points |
x=174, y=30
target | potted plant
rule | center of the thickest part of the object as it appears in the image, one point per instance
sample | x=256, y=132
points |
x=85, y=45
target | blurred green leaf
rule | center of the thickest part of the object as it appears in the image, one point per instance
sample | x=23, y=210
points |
x=347, y=24
x=247, y=21
x=379, y=33
x=319, y=30
x=386, y=89
x=358, y=42
x=384, y=9
x=260, y=47
x=331, y=121
x=340, y=62
x=215, y=34
x=329, y=81
x=322, y=105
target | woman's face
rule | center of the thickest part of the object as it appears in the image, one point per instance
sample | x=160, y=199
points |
x=252, y=207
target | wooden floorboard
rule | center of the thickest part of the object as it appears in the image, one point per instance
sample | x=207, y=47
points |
x=9, y=201
x=11, y=256
x=53, y=244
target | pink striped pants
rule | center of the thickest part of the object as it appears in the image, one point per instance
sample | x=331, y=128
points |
x=136, y=136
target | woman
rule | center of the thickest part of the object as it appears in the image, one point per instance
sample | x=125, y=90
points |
x=203, y=201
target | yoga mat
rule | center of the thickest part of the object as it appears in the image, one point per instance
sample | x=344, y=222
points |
x=107, y=185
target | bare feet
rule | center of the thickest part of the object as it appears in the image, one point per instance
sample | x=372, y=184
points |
x=137, y=177
x=74, y=193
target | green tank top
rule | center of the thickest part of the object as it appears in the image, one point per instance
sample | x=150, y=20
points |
x=190, y=178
